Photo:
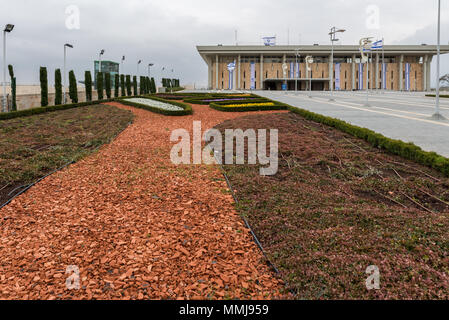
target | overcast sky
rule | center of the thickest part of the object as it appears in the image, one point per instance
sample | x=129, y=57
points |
x=166, y=32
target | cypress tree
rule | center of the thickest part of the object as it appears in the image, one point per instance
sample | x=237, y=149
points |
x=58, y=87
x=147, y=85
x=122, y=81
x=153, y=86
x=44, y=86
x=135, y=85
x=100, y=85
x=128, y=85
x=13, y=87
x=107, y=80
x=141, y=86
x=88, y=84
x=117, y=85
x=73, y=90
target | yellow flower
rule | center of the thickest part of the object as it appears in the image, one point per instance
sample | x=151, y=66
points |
x=266, y=104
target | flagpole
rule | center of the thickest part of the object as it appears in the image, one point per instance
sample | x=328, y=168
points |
x=383, y=66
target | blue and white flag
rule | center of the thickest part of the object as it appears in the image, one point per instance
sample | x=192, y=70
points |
x=360, y=76
x=231, y=68
x=253, y=76
x=269, y=41
x=292, y=70
x=377, y=45
x=297, y=70
x=407, y=76
x=337, y=77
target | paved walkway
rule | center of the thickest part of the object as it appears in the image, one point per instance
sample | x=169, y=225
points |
x=135, y=225
x=403, y=116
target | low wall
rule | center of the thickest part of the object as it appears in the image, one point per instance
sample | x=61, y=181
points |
x=28, y=101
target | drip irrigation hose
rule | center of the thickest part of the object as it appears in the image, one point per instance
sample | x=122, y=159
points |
x=255, y=238
x=26, y=187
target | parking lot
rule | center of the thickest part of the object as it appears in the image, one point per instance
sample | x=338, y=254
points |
x=403, y=116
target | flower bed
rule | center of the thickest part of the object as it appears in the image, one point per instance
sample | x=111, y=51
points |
x=264, y=105
x=157, y=105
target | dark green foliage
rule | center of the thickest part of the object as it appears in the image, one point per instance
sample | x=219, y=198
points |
x=100, y=85
x=122, y=83
x=88, y=84
x=44, y=86
x=107, y=81
x=441, y=95
x=142, y=85
x=58, y=87
x=73, y=90
x=13, y=87
x=147, y=85
x=116, y=85
x=397, y=147
x=128, y=85
x=187, y=108
x=153, y=86
x=40, y=110
x=135, y=86
x=222, y=107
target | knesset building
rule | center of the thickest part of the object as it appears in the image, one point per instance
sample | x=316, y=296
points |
x=405, y=67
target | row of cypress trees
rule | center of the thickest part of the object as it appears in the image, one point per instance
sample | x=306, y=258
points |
x=170, y=83
x=123, y=86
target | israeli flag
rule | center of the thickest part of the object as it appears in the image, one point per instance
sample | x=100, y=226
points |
x=269, y=41
x=378, y=45
x=231, y=68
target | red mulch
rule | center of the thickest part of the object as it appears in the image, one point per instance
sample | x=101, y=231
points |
x=137, y=226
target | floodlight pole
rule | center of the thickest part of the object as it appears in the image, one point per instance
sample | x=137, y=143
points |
x=8, y=28
x=437, y=114
x=297, y=54
x=332, y=34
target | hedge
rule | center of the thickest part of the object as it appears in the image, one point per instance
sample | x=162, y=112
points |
x=204, y=102
x=441, y=95
x=397, y=147
x=222, y=107
x=187, y=109
x=39, y=110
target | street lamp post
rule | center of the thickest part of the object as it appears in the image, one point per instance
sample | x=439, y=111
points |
x=309, y=61
x=67, y=45
x=438, y=115
x=365, y=46
x=8, y=29
x=149, y=69
x=101, y=53
x=138, y=63
x=333, y=34
x=297, y=55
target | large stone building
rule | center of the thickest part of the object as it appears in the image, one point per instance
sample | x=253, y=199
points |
x=406, y=68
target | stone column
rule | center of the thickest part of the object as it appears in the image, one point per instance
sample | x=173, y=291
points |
x=261, y=72
x=424, y=73
x=216, y=72
x=401, y=71
x=353, y=71
x=429, y=67
x=331, y=71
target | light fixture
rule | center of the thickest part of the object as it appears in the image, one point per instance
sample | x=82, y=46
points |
x=9, y=28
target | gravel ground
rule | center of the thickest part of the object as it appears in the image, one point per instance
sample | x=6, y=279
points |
x=136, y=226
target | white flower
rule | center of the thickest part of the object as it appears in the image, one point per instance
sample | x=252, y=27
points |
x=155, y=104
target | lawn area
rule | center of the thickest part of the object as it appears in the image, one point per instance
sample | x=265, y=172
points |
x=338, y=205
x=31, y=147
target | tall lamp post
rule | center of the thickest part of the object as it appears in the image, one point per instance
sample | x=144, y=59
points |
x=149, y=69
x=333, y=34
x=122, y=62
x=438, y=115
x=365, y=46
x=138, y=63
x=297, y=55
x=101, y=53
x=8, y=29
x=67, y=45
x=309, y=61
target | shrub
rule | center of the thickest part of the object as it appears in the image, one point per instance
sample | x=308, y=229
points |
x=141, y=86
x=73, y=90
x=13, y=88
x=122, y=83
x=153, y=85
x=88, y=84
x=135, y=85
x=187, y=109
x=107, y=80
x=100, y=85
x=44, y=86
x=128, y=85
x=116, y=85
x=58, y=87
